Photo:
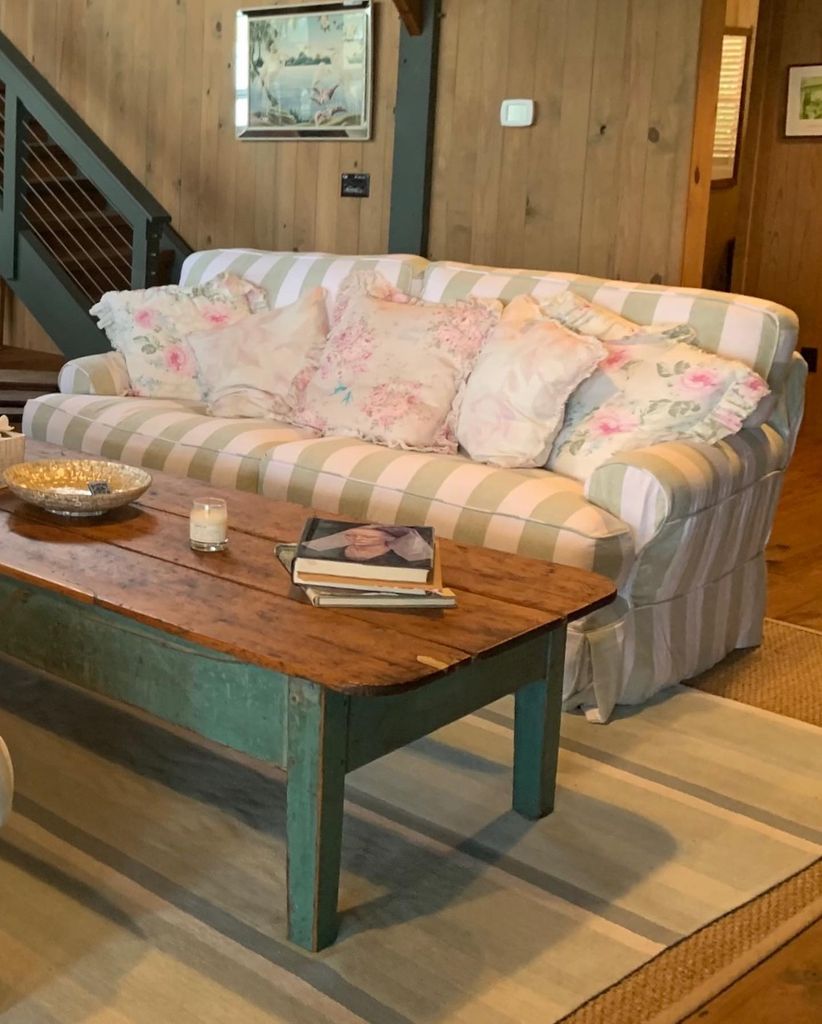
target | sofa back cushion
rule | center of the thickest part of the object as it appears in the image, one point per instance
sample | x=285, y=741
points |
x=286, y=276
x=759, y=333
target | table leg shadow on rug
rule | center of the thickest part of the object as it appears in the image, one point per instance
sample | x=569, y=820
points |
x=145, y=865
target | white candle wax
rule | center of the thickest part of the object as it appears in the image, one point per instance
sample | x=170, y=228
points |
x=208, y=524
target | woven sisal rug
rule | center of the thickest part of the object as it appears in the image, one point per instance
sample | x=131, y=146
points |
x=142, y=872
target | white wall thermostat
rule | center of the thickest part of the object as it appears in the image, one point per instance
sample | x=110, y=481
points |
x=516, y=113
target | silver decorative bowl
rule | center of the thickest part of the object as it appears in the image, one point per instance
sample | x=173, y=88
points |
x=62, y=486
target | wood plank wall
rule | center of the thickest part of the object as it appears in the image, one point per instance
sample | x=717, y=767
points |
x=779, y=240
x=600, y=183
x=155, y=81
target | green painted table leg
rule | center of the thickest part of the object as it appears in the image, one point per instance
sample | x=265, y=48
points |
x=317, y=724
x=537, y=713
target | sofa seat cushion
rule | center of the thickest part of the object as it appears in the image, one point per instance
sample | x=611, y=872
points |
x=532, y=512
x=164, y=434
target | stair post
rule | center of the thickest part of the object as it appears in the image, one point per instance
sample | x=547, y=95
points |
x=12, y=161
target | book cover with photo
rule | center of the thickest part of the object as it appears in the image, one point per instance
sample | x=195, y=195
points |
x=366, y=550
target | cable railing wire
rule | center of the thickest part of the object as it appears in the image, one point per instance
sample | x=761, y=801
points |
x=51, y=181
x=114, y=277
x=89, y=286
x=47, y=183
x=38, y=205
x=56, y=187
x=47, y=140
x=70, y=256
x=43, y=227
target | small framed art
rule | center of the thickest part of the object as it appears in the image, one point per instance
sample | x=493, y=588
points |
x=803, y=116
x=303, y=71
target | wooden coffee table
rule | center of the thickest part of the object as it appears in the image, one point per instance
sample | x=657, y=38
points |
x=220, y=644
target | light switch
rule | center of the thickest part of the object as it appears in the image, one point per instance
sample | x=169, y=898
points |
x=516, y=113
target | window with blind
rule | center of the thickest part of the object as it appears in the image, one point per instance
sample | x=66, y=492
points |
x=729, y=106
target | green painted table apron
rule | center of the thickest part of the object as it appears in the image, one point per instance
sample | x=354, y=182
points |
x=122, y=607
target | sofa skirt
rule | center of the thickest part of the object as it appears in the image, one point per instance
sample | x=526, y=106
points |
x=625, y=655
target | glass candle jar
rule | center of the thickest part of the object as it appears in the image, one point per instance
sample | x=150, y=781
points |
x=208, y=524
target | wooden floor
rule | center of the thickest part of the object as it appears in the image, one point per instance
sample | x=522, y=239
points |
x=795, y=551
x=787, y=987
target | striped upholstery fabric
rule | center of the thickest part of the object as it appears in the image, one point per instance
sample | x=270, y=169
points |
x=287, y=275
x=531, y=512
x=162, y=434
x=625, y=654
x=669, y=482
x=786, y=417
x=759, y=333
x=101, y=374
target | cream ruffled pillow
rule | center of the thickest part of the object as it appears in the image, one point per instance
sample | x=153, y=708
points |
x=260, y=365
x=651, y=390
x=394, y=367
x=149, y=327
x=515, y=398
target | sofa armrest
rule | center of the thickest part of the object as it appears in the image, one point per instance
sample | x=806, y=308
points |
x=786, y=416
x=101, y=374
x=652, y=487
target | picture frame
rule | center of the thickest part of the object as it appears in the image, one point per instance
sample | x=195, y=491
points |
x=304, y=71
x=803, y=113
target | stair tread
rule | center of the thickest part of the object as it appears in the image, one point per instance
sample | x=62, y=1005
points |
x=34, y=378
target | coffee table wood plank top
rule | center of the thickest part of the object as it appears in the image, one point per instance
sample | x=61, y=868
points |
x=147, y=571
x=222, y=644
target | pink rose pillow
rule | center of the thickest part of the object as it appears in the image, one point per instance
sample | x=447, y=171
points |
x=149, y=326
x=260, y=365
x=653, y=390
x=394, y=367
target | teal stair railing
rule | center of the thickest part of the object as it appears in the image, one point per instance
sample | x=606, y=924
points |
x=74, y=221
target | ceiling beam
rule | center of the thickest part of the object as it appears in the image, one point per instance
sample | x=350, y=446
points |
x=412, y=15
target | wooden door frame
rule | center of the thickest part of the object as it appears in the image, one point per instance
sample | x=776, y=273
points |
x=712, y=29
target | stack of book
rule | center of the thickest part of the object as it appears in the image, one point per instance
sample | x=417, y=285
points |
x=367, y=565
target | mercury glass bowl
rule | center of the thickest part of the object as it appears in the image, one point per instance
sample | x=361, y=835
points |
x=76, y=487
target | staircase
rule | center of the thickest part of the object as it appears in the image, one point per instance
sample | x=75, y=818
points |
x=74, y=221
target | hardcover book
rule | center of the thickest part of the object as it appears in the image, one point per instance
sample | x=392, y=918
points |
x=363, y=551
x=339, y=595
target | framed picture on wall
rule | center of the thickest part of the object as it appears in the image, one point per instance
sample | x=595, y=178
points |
x=804, y=112
x=303, y=71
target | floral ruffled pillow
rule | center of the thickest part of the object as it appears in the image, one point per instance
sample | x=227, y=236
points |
x=589, y=318
x=394, y=367
x=149, y=326
x=644, y=392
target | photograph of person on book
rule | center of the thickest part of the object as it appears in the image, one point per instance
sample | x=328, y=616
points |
x=362, y=543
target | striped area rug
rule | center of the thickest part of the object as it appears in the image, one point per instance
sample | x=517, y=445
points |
x=142, y=873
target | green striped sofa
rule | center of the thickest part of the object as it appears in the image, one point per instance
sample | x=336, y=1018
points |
x=681, y=527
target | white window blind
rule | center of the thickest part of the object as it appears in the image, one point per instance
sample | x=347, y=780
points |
x=729, y=106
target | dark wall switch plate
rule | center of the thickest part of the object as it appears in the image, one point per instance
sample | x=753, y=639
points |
x=810, y=356
x=356, y=185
